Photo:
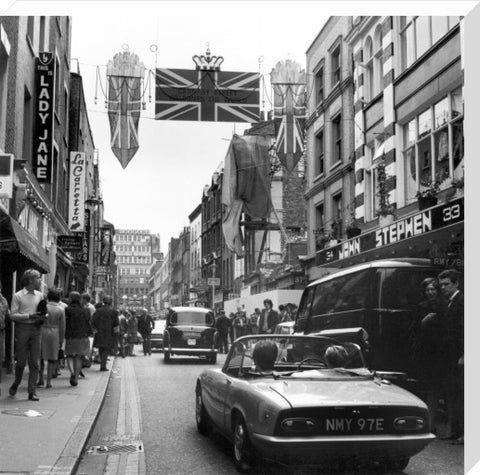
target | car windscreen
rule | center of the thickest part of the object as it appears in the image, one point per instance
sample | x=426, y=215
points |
x=192, y=318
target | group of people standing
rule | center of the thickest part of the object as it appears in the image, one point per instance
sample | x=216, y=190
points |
x=49, y=329
x=259, y=322
x=438, y=343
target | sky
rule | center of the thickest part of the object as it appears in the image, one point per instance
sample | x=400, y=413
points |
x=164, y=181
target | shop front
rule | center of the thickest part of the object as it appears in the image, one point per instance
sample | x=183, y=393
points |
x=436, y=233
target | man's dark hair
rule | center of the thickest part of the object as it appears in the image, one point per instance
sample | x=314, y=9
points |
x=75, y=297
x=86, y=297
x=107, y=300
x=264, y=355
x=269, y=302
x=281, y=307
x=451, y=274
x=53, y=295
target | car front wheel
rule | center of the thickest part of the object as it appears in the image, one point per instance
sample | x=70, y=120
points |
x=243, y=451
x=397, y=465
x=201, y=415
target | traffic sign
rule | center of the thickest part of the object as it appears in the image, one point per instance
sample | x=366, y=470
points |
x=213, y=281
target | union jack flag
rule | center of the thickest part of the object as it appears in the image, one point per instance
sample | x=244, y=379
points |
x=124, y=106
x=204, y=95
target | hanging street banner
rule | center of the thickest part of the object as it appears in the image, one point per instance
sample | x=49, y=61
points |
x=207, y=95
x=44, y=111
x=125, y=82
x=76, y=202
x=289, y=111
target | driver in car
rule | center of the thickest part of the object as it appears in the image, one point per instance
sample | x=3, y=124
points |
x=264, y=356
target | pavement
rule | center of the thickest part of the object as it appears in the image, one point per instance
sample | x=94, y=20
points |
x=48, y=436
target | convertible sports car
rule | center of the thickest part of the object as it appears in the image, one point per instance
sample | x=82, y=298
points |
x=310, y=408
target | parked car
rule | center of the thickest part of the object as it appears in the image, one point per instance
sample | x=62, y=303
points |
x=190, y=331
x=304, y=412
x=284, y=328
x=156, y=338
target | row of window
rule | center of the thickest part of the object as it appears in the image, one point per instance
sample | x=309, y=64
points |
x=130, y=248
x=335, y=128
x=136, y=271
x=133, y=260
x=132, y=238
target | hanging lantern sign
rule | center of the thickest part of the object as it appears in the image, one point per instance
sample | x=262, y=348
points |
x=125, y=91
x=206, y=93
x=288, y=82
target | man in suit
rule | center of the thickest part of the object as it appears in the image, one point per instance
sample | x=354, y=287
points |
x=269, y=318
x=105, y=325
x=454, y=352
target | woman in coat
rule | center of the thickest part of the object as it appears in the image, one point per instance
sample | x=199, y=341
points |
x=77, y=331
x=53, y=333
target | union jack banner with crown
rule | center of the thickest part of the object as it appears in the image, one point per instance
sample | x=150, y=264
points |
x=289, y=82
x=207, y=95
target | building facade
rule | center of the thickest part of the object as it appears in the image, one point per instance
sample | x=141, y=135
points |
x=133, y=250
x=408, y=143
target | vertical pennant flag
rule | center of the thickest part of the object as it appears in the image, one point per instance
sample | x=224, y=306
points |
x=289, y=82
x=125, y=82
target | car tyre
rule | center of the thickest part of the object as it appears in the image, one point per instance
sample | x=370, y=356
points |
x=166, y=356
x=397, y=465
x=201, y=416
x=243, y=451
x=212, y=358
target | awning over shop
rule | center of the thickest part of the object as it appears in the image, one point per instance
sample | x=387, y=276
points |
x=13, y=238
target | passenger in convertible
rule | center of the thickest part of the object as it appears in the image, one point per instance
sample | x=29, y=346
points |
x=264, y=356
x=336, y=356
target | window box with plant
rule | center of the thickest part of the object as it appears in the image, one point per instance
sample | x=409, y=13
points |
x=427, y=195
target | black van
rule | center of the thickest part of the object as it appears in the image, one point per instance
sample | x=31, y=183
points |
x=379, y=296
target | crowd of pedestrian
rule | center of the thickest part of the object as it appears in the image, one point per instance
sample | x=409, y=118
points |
x=55, y=333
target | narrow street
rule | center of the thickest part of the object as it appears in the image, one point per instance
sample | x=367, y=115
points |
x=148, y=425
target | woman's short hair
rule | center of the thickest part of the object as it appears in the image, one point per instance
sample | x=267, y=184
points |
x=53, y=295
x=430, y=281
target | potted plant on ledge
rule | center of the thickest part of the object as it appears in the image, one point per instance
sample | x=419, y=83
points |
x=427, y=195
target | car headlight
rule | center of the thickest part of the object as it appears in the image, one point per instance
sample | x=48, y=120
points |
x=298, y=424
x=409, y=423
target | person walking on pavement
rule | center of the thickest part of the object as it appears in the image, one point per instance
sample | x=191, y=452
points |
x=53, y=333
x=4, y=313
x=254, y=317
x=132, y=332
x=77, y=333
x=454, y=350
x=27, y=331
x=239, y=323
x=268, y=318
x=105, y=325
x=223, y=324
x=86, y=302
x=145, y=326
x=122, y=332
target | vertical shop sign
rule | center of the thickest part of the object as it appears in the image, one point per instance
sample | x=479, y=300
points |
x=45, y=102
x=76, y=203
